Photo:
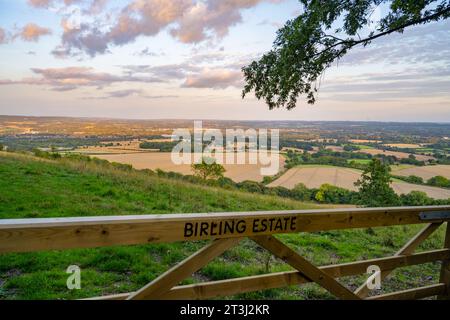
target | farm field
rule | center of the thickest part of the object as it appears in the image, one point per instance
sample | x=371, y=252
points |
x=403, y=145
x=163, y=161
x=315, y=176
x=114, y=147
x=399, y=155
x=335, y=148
x=364, y=141
x=425, y=172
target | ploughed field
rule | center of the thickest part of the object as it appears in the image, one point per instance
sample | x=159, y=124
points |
x=163, y=161
x=314, y=176
x=425, y=172
x=397, y=154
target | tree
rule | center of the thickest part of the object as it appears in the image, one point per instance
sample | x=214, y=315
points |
x=439, y=181
x=374, y=186
x=307, y=45
x=350, y=148
x=208, y=170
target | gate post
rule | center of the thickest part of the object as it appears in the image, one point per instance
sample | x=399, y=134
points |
x=445, y=269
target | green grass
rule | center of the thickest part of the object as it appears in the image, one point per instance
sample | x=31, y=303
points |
x=31, y=187
x=396, y=167
x=360, y=161
x=425, y=149
x=362, y=146
x=317, y=166
x=36, y=189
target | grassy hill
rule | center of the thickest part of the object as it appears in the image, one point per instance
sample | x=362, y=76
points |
x=36, y=188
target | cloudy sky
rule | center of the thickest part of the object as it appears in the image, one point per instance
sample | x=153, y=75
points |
x=153, y=59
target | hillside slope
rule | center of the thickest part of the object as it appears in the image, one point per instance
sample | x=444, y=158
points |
x=32, y=187
x=36, y=188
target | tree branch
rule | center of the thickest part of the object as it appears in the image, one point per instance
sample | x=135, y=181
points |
x=352, y=42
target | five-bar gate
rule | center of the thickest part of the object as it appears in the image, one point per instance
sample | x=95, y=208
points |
x=226, y=230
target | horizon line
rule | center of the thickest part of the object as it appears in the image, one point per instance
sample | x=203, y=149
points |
x=213, y=119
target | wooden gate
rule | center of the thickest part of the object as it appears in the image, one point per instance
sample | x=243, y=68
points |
x=226, y=230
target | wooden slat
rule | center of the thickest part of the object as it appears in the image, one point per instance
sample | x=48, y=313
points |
x=184, y=269
x=445, y=269
x=407, y=249
x=26, y=235
x=231, y=287
x=310, y=271
x=413, y=294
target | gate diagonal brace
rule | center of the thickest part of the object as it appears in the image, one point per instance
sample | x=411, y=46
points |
x=283, y=252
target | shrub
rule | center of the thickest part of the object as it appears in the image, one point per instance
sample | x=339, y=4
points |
x=46, y=155
x=225, y=182
x=281, y=192
x=414, y=179
x=332, y=194
x=268, y=179
x=302, y=193
x=252, y=186
x=416, y=198
x=439, y=181
x=122, y=166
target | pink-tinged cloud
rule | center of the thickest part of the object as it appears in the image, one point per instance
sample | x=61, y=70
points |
x=40, y=3
x=70, y=78
x=32, y=32
x=189, y=21
x=215, y=79
x=48, y=3
x=119, y=94
x=96, y=7
x=146, y=18
x=216, y=16
x=195, y=73
x=138, y=18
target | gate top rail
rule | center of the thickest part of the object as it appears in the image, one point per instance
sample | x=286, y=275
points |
x=26, y=235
